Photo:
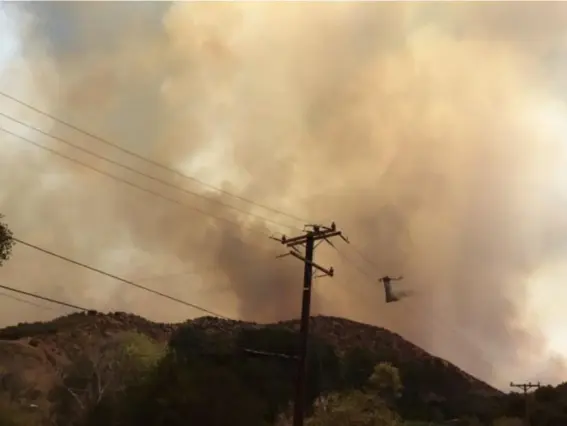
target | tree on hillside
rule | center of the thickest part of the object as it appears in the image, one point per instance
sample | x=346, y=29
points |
x=200, y=391
x=273, y=378
x=6, y=241
x=357, y=367
x=100, y=372
x=220, y=379
x=353, y=408
x=385, y=380
x=190, y=343
x=370, y=406
x=198, y=381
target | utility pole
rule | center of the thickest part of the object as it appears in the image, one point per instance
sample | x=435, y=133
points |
x=525, y=388
x=312, y=234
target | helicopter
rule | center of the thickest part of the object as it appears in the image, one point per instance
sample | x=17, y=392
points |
x=387, y=282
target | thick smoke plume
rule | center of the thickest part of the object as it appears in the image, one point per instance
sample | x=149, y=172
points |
x=432, y=133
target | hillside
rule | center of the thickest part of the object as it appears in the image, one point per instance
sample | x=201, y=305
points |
x=37, y=351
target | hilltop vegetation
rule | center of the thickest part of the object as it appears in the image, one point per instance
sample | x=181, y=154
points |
x=119, y=369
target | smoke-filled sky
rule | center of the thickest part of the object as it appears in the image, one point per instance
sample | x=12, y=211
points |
x=434, y=134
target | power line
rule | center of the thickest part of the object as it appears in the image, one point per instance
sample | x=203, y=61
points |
x=55, y=152
x=47, y=299
x=141, y=188
x=248, y=352
x=361, y=254
x=27, y=302
x=149, y=160
x=123, y=280
x=357, y=251
x=349, y=261
x=196, y=271
x=138, y=172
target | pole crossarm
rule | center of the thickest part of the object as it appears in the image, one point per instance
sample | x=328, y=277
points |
x=302, y=239
x=525, y=386
x=330, y=272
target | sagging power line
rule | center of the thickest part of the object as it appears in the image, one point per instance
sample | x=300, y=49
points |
x=27, y=302
x=313, y=233
x=123, y=280
x=172, y=200
x=44, y=298
x=359, y=252
x=164, y=197
x=167, y=198
x=131, y=184
x=245, y=351
x=149, y=191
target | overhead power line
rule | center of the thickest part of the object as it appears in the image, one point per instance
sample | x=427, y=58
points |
x=148, y=160
x=344, y=257
x=55, y=152
x=47, y=299
x=140, y=173
x=27, y=302
x=117, y=278
x=131, y=184
x=361, y=254
x=246, y=351
x=348, y=261
x=358, y=252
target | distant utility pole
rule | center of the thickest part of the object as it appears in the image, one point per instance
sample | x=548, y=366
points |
x=525, y=388
x=312, y=233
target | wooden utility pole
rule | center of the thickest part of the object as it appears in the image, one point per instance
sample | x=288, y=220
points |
x=525, y=388
x=313, y=233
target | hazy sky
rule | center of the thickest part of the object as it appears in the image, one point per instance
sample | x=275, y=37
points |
x=434, y=134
